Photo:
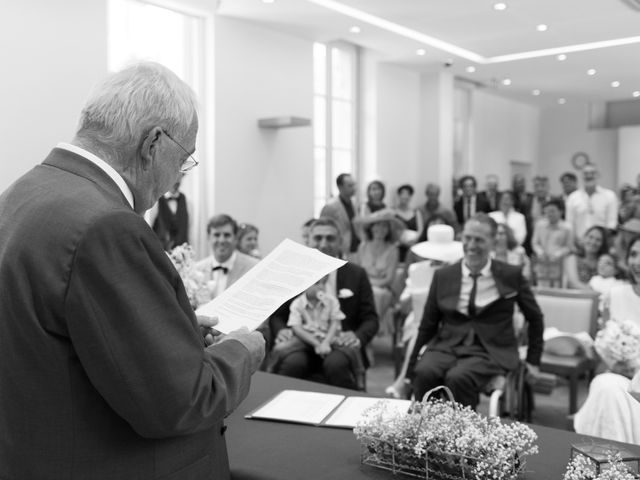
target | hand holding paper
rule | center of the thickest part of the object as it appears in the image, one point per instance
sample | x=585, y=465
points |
x=287, y=271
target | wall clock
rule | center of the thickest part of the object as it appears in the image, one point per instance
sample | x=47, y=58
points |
x=579, y=160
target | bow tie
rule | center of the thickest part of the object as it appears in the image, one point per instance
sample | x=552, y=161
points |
x=225, y=270
x=173, y=197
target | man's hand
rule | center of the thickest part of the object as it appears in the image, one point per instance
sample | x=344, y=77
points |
x=206, y=327
x=534, y=371
x=347, y=339
x=284, y=335
x=253, y=341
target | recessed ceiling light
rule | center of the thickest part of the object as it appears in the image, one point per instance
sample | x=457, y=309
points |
x=562, y=57
x=355, y=29
x=615, y=84
x=268, y=1
x=542, y=27
x=562, y=101
x=636, y=93
x=499, y=6
x=506, y=81
x=535, y=92
x=591, y=71
x=421, y=52
x=470, y=69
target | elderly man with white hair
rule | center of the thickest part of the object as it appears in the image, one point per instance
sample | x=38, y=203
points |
x=104, y=371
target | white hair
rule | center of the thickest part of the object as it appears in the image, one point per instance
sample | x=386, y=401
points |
x=122, y=110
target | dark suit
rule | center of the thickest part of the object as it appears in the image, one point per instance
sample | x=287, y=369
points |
x=356, y=302
x=481, y=206
x=493, y=202
x=103, y=371
x=444, y=329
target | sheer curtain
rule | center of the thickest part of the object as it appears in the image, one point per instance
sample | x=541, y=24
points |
x=180, y=38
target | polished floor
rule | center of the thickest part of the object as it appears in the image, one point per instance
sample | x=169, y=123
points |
x=549, y=410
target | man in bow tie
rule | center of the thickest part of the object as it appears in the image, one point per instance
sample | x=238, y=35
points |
x=467, y=322
x=350, y=284
x=226, y=264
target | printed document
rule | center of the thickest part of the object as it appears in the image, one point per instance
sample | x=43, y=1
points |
x=286, y=272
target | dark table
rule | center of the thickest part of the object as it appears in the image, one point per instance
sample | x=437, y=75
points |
x=268, y=450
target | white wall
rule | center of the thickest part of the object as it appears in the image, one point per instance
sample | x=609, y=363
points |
x=398, y=130
x=563, y=132
x=52, y=54
x=263, y=176
x=502, y=130
x=628, y=154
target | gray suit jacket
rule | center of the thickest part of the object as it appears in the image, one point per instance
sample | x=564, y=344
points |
x=335, y=209
x=103, y=370
x=243, y=263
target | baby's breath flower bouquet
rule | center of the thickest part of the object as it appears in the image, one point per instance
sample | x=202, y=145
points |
x=443, y=440
x=618, y=344
x=581, y=468
x=195, y=282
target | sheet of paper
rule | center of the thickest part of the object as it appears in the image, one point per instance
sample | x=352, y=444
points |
x=298, y=406
x=351, y=410
x=286, y=272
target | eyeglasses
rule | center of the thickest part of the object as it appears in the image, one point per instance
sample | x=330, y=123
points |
x=190, y=162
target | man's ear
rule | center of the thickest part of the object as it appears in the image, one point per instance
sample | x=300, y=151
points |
x=149, y=146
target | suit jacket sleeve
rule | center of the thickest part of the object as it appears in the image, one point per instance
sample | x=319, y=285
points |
x=137, y=338
x=533, y=315
x=430, y=322
x=359, y=309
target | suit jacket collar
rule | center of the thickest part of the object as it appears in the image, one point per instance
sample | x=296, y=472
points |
x=78, y=165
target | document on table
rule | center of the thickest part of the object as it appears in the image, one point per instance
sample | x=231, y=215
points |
x=323, y=409
x=286, y=272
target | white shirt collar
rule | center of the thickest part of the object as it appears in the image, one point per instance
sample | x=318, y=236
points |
x=228, y=264
x=104, y=166
x=485, y=272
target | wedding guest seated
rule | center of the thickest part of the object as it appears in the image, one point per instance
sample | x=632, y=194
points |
x=552, y=242
x=226, y=264
x=411, y=217
x=580, y=266
x=353, y=290
x=315, y=319
x=509, y=216
x=606, y=274
x=433, y=208
x=440, y=249
x=468, y=320
x=506, y=249
x=609, y=411
x=378, y=255
x=375, y=198
x=248, y=239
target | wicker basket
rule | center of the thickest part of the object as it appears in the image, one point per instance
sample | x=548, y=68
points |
x=433, y=465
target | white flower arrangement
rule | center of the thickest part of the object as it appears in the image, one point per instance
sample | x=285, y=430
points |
x=581, y=468
x=442, y=439
x=194, y=280
x=618, y=344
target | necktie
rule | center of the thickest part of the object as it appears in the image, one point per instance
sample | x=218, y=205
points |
x=468, y=208
x=470, y=338
x=472, y=295
x=224, y=270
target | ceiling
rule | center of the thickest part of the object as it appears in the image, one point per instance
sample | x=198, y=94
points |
x=457, y=34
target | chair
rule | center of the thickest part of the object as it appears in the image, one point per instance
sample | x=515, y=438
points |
x=570, y=311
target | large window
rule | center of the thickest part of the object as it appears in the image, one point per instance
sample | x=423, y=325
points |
x=171, y=33
x=335, y=114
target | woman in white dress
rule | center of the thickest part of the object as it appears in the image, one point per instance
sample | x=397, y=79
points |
x=508, y=215
x=609, y=410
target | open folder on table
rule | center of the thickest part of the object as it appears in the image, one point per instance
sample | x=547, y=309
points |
x=322, y=409
x=286, y=272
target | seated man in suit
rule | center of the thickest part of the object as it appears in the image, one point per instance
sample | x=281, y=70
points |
x=468, y=320
x=226, y=264
x=351, y=285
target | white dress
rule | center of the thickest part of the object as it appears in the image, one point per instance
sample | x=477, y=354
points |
x=609, y=410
